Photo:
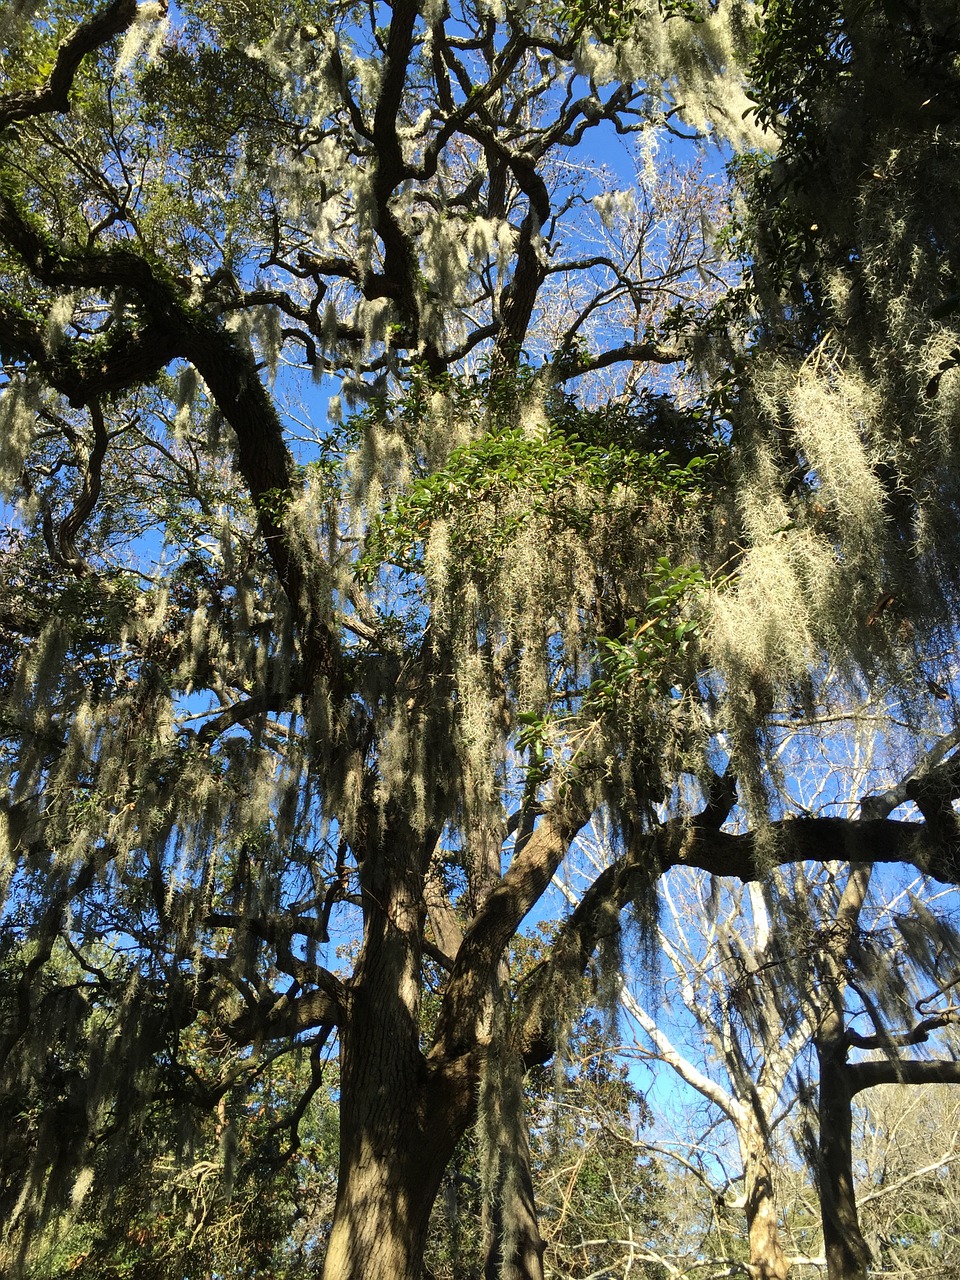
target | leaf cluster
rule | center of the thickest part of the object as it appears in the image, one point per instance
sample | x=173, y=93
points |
x=653, y=643
x=521, y=475
x=614, y=25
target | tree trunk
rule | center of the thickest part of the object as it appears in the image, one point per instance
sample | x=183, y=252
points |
x=846, y=1251
x=510, y=1220
x=397, y=1135
x=394, y=1150
x=767, y=1259
x=400, y=1116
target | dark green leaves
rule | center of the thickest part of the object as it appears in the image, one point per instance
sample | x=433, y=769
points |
x=637, y=659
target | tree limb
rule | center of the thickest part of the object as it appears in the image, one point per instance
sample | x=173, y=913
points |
x=53, y=96
x=865, y=1075
x=498, y=919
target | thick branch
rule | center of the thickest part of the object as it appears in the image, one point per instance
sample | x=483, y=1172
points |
x=865, y=1075
x=630, y=352
x=400, y=280
x=497, y=921
x=443, y=917
x=277, y=930
x=289, y=1015
x=919, y=1034
x=62, y=544
x=54, y=94
x=932, y=770
x=174, y=329
x=719, y=853
x=260, y=704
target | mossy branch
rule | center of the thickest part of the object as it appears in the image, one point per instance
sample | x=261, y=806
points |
x=53, y=96
x=721, y=853
x=171, y=328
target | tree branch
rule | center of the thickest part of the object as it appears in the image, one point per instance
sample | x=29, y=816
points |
x=633, y=352
x=288, y=1015
x=666, y=1052
x=865, y=1075
x=176, y=328
x=53, y=96
x=526, y=879
x=721, y=853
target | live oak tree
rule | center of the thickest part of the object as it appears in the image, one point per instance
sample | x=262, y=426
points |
x=266, y=679
x=370, y=760
x=872, y=993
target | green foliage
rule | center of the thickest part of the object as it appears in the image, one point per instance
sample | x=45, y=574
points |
x=650, y=645
x=800, y=54
x=224, y=1191
x=614, y=26
x=548, y=473
x=587, y=15
x=598, y=1187
x=561, y=471
x=274, y=504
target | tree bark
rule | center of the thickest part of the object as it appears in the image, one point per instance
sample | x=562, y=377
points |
x=844, y=1247
x=400, y=1116
x=510, y=1220
x=767, y=1259
x=398, y=1133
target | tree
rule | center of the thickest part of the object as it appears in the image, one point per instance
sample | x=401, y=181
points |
x=265, y=679
x=753, y=1028
x=767, y=973
x=845, y=962
x=804, y=970
x=603, y=1201
x=907, y=1153
x=205, y=1177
